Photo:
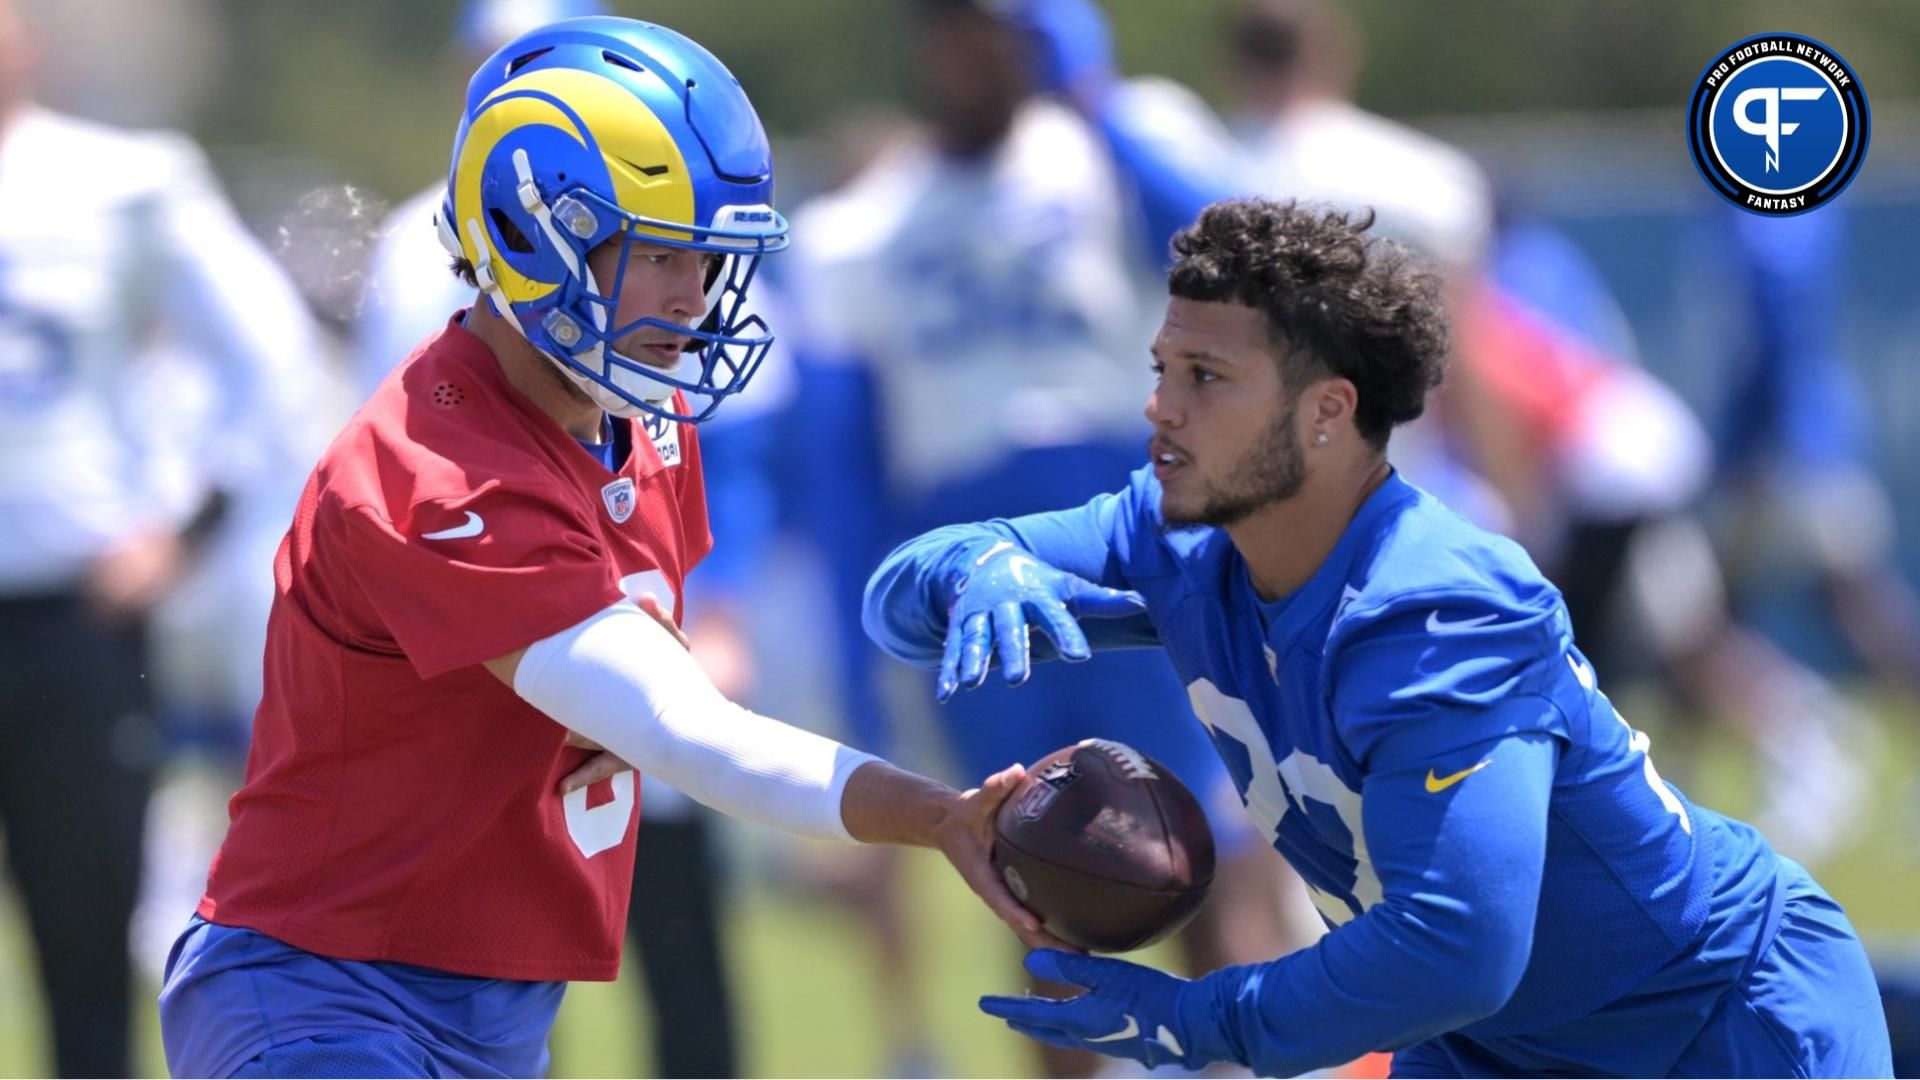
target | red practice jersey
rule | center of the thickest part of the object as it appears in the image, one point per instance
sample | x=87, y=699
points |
x=401, y=803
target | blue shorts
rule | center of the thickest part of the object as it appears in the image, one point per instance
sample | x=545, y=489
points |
x=1808, y=1006
x=347, y=1054
x=239, y=1003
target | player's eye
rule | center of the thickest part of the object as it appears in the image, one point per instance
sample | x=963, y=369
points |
x=1157, y=368
x=1202, y=375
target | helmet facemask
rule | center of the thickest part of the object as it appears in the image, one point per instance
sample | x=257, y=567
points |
x=723, y=350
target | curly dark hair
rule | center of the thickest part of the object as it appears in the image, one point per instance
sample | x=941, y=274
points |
x=1342, y=302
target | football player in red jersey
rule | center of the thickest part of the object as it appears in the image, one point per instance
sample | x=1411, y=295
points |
x=430, y=841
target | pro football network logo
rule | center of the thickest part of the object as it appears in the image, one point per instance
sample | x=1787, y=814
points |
x=1778, y=124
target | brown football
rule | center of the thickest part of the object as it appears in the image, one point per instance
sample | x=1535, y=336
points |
x=1105, y=845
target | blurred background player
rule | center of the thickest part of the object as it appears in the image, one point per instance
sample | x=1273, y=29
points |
x=1794, y=438
x=1295, y=65
x=974, y=323
x=151, y=355
x=1292, y=129
x=675, y=911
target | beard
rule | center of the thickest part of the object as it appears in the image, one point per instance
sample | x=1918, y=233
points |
x=1272, y=471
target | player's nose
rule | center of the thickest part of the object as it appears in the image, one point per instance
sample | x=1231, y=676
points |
x=687, y=300
x=1161, y=410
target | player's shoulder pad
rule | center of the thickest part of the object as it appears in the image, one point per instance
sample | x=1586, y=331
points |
x=404, y=448
x=1430, y=570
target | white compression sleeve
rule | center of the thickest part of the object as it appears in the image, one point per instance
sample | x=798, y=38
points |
x=621, y=680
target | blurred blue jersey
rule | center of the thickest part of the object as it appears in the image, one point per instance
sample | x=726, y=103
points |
x=1791, y=394
x=1416, y=732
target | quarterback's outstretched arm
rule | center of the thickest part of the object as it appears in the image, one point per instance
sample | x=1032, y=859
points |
x=621, y=680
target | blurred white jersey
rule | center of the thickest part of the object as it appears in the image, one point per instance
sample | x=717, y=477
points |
x=1002, y=302
x=1427, y=194
x=148, y=345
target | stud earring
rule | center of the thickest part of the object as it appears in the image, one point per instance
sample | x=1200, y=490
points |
x=1321, y=438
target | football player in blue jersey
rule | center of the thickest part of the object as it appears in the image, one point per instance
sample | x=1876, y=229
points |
x=1511, y=887
x=969, y=333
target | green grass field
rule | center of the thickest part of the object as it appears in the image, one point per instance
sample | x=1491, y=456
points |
x=807, y=1009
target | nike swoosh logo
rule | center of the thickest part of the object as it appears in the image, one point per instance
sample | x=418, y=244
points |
x=1165, y=1038
x=473, y=526
x=1128, y=1032
x=1436, y=625
x=998, y=547
x=1437, y=784
x=1582, y=672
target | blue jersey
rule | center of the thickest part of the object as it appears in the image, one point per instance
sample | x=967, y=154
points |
x=1416, y=732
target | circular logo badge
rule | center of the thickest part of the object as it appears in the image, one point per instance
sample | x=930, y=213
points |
x=1778, y=124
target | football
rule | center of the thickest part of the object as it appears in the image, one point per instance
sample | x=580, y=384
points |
x=1105, y=845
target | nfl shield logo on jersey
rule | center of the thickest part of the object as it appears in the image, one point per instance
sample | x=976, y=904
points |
x=619, y=499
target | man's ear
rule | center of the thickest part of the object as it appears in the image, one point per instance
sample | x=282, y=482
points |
x=1334, y=403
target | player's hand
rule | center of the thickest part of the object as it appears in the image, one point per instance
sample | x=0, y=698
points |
x=1005, y=588
x=651, y=604
x=600, y=766
x=134, y=573
x=720, y=643
x=965, y=837
x=1072, y=48
x=1127, y=1011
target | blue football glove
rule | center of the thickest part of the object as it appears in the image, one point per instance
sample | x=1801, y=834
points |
x=1127, y=1011
x=1004, y=587
x=1072, y=46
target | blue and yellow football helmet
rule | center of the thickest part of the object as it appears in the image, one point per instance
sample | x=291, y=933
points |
x=607, y=129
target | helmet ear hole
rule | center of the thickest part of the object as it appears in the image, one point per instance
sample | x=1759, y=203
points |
x=509, y=233
x=617, y=60
x=526, y=58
